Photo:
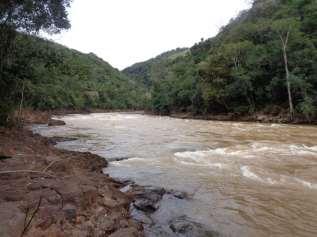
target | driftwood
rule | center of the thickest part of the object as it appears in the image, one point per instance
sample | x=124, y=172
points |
x=28, y=221
x=50, y=165
x=56, y=161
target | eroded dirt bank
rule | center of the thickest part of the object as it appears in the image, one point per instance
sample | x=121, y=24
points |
x=49, y=192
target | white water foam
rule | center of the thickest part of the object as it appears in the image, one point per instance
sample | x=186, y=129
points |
x=99, y=117
x=196, y=155
x=200, y=158
x=282, y=149
x=217, y=165
x=246, y=172
x=275, y=125
x=306, y=183
x=127, y=161
x=284, y=180
x=312, y=148
x=246, y=151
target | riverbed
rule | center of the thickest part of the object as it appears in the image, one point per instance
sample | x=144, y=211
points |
x=243, y=179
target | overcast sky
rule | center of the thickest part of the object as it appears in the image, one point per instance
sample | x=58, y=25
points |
x=124, y=32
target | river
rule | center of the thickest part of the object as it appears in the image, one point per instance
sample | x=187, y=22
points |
x=244, y=179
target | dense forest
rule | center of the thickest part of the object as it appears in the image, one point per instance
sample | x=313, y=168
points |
x=42, y=75
x=53, y=76
x=264, y=60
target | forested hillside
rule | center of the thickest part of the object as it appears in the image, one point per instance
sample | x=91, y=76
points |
x=264, y=60
x=153, y=69
x=49, y=76
x=63, y=78
x=43, y=75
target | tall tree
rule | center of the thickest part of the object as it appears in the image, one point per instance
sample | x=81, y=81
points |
x=25, y=16
x=285, y=28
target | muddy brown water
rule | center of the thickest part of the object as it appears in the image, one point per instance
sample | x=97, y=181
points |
x=244, y=179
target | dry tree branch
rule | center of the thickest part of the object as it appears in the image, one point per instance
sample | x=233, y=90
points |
x=50, y=165
x=56, y=161
x=27, y=225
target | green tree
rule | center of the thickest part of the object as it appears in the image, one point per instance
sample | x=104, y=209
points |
x=285, y=28
x=29, y=16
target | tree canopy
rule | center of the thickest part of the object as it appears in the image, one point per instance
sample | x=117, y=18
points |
x=260, y=61
x=28, y=16
x=33, y=15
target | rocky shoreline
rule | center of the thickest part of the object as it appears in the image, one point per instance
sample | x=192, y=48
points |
x=51, y=192
x=150, y=208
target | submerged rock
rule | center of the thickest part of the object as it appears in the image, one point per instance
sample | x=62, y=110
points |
x=147, y=198
x=146, y=205
x=178, y=194
x=184, y=226
x=157, y=230
x=55, y=122
x=55, y=140
x=140, y=216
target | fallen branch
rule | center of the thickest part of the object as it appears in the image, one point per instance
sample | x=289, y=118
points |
x=56, y=161
x=50, y=165
x=28, y=223
x=27, y=171
x=60, y=195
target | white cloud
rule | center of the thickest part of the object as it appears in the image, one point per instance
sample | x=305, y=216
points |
x=124, y=31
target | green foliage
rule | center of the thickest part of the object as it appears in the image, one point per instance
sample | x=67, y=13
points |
x=34, y=15
x=242, y=70
x=27, y=16
x=56, y=77
x=307, y=108
x=154, y=69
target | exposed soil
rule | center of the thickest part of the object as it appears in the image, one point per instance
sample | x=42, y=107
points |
x=50, y=192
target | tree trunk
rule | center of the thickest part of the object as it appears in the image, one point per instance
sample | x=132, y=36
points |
x=290, y=99
x=288, y=83
x=21, y=104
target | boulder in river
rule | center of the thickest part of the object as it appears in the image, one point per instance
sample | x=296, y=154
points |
x=55, y=122
x=184, y=226
x=178, y=194
x=147, y=198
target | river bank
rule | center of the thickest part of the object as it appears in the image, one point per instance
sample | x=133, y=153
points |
x=46, y=191
x=257, y=117
x=231, y=172
x=209, y=163
x=30, y=116
x=51, y=192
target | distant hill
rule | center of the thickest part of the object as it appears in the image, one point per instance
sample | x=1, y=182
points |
x=264, y=60
x=144, y=71
x=54, y=77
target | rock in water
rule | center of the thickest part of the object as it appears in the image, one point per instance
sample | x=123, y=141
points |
x=147, y=199
x=55, y=122
x=184, y=226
